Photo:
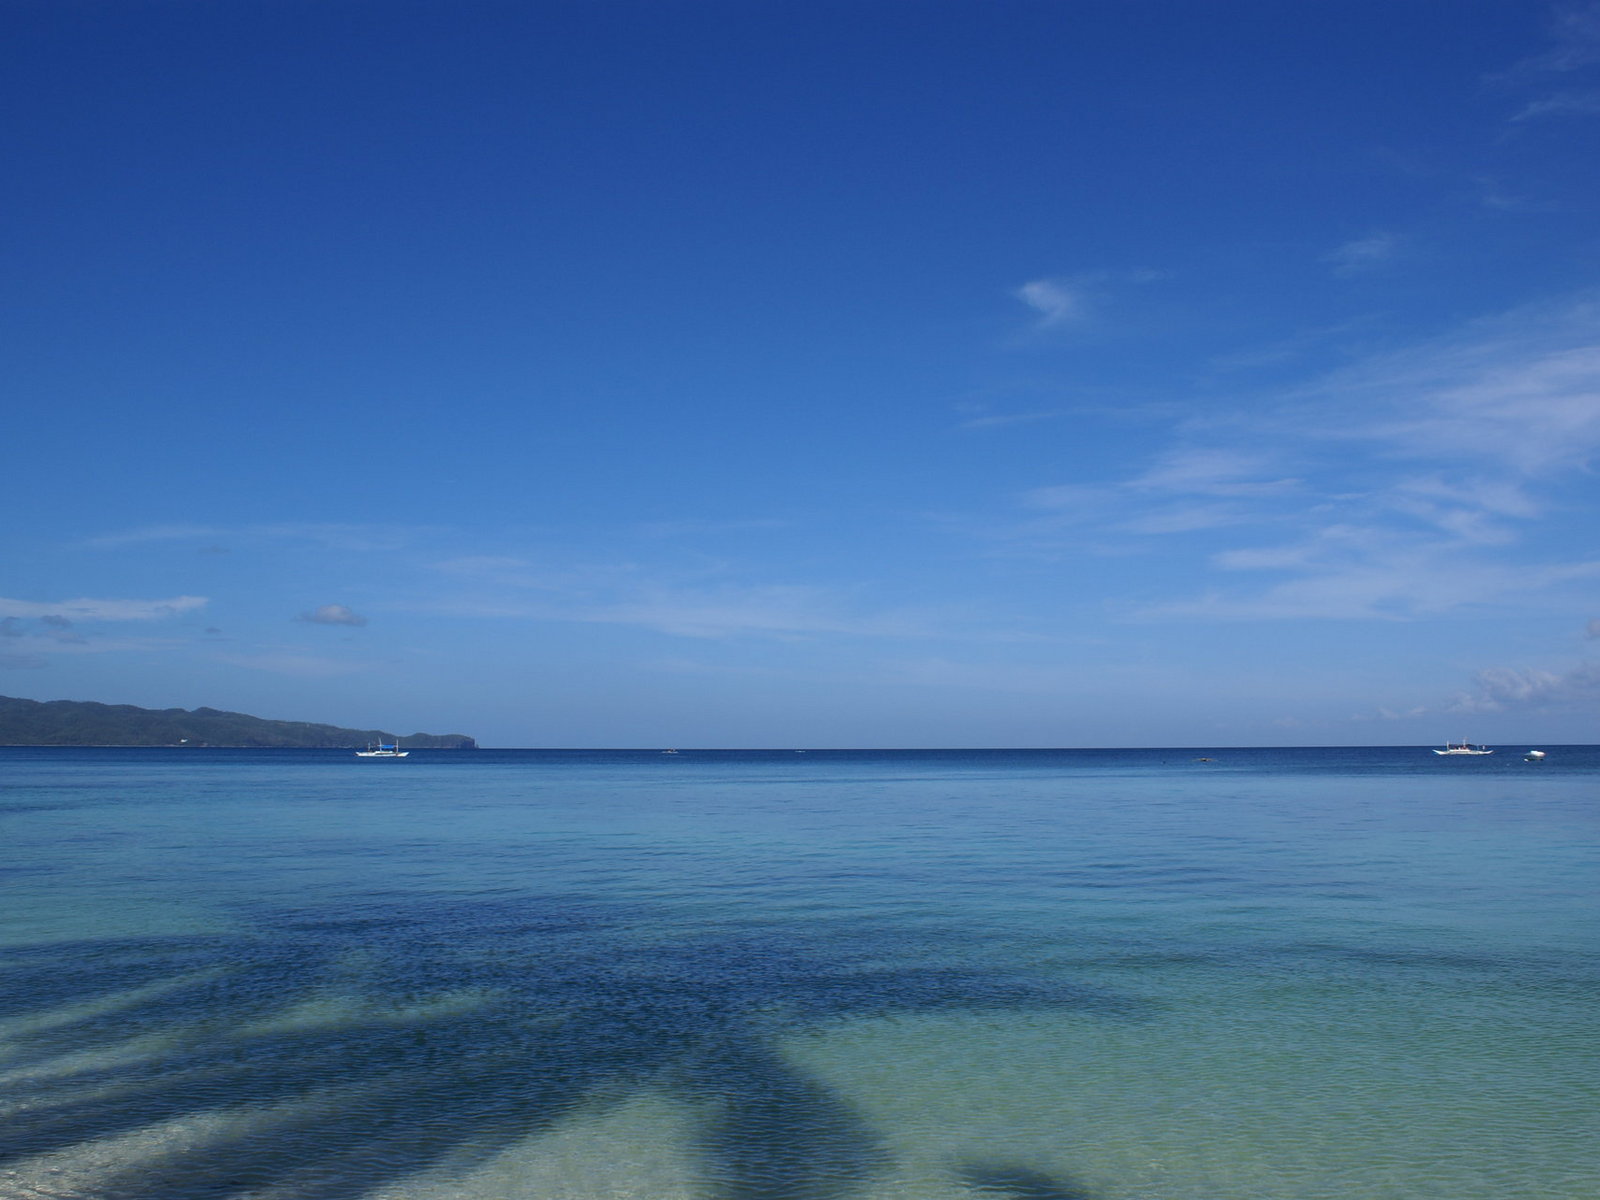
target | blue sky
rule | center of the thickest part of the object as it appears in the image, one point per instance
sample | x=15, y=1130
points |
x=809, y=374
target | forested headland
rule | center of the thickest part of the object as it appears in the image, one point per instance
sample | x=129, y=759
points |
x=87, y=723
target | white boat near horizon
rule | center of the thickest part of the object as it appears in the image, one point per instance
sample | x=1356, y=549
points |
x=379, y=750
x=1464, y=748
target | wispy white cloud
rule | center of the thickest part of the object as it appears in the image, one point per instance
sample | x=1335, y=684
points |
x=332, y=535
x=1499, y=689
x=1183, y=491
x=782, y=611
x=506, y=587
x=1573, y=52
x=153, y=533
x=692, y=527
x=1474, y=511
x=1364, y=255
x=1394, y=584
x=102, y=610
x=1402, y=485
x=1561, y=104
x=1214, y=471
x=1077, y=499
x=1521, y=409
x=1575, y=42
x=1002, y=420
x=1181, y=518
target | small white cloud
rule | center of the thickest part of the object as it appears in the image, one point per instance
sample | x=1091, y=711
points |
x=332, y=614
x=1057, y=301
x=1071, y=301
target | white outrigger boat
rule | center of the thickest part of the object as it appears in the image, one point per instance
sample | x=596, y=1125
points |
x=379, y=750
x=1463, y=748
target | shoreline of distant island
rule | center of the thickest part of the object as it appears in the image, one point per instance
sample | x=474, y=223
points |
x=88, y=724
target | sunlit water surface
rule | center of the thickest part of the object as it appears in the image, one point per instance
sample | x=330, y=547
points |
x=1090, y=975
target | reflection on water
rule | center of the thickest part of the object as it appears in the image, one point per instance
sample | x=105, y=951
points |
x=361, y=1051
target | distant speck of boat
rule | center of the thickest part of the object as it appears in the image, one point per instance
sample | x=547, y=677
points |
x=1533, y=756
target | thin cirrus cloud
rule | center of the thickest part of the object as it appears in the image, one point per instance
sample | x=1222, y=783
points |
x=1185, y=490
x=1575, y=37
x=1414, y=479
x=772, y=611
x=506, y=587
x=1215, y=471
x=1002, y=420
x=1363, y=256
x=1402, y=583
x=1561, y=80
x=1561, y=104
x=101, y=610
x=336, y=536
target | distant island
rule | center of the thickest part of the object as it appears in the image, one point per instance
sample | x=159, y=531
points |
x=86, y=723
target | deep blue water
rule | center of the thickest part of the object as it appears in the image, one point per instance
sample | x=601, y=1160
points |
x=773, y=975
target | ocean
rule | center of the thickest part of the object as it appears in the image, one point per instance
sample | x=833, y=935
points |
x=1208, y=974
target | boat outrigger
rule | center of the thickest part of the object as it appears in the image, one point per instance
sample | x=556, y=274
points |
x=1463, y=748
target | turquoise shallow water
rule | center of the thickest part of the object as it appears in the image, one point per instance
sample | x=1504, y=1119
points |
x=1031, y=975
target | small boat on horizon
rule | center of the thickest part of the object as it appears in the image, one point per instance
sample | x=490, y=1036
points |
x=1463, y=748
x=379, y=750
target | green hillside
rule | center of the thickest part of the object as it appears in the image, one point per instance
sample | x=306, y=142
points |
x=86, y=723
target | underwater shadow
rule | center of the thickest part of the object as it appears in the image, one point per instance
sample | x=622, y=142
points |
x=996, y=1181
x=323, y=1058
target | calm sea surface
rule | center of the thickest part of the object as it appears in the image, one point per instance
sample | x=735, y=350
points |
x=1365, y=974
